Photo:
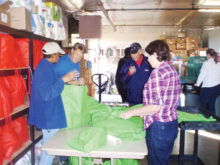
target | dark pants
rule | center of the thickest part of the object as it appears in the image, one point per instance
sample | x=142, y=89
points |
x=208, y=97
x=160, y=139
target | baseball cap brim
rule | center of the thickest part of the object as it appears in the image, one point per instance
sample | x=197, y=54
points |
x=52, y=48
x=62, y=51
x=134, y=48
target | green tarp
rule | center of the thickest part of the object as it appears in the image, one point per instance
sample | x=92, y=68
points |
x=89, y=139
x=193, y=117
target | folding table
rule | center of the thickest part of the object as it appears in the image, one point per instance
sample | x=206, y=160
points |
x=126, y=150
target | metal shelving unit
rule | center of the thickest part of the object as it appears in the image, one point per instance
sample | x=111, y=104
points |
x=23, y=109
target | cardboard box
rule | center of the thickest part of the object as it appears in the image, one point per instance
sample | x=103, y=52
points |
x=171, y=41
x=20, y=18
x=181, y=40
x=181, y=46
x=4, y=15
x=193, y=52
x=4, y=18
x=191, y=46
x=192, y=40
x=172, y=47
x=34, y=9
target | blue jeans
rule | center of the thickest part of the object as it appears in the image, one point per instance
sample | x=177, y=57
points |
x=44, y=158
x=160, y=139
x=208, y=97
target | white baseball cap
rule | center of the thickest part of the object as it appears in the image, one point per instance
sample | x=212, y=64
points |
x=52, y=48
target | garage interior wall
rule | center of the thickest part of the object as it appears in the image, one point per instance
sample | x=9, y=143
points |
x=214, y=39
x=125, y=35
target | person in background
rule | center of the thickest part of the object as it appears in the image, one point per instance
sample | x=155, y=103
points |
x=161, y=96
x=134, y=74
x=71, y=62
x=46, y=107
x=209, y=77
x=122, y=89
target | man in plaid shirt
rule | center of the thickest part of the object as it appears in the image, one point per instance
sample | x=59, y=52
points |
x=161, y=95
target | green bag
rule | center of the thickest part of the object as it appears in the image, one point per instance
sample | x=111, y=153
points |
x=89, y=139
x=126, y=130
x=98, y=111
x=92, y=103
x=75, y=106
x=75, y=161
x=122, y=162
x=185, y=116
x=109, y=118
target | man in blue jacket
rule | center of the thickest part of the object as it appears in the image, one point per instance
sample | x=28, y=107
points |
x=134, y=74
x=46, y=107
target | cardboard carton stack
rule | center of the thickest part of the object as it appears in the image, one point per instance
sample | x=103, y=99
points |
x=180, y=43
x=182, y=47
x=171, y=43
x=191, y=43
x=86, y=73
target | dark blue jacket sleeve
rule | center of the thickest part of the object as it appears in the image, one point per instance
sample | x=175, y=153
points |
x=124, y=76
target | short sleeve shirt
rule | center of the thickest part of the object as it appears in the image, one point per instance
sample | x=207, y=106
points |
x=65, y=65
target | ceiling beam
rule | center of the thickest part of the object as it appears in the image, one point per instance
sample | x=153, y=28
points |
x=152, y=9
x=184, y=18
x=179, y=23
x=100, y=4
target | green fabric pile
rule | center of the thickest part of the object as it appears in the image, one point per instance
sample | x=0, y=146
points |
x=82, y=110
x=89, y=139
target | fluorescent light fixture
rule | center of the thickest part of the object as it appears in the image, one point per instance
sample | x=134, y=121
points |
x=211, y=3
x=211, y=28
x=210, y=10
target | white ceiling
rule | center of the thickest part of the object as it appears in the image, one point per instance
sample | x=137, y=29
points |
x=182, y=13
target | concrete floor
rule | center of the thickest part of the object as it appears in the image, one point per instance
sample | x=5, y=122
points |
x=208, y=150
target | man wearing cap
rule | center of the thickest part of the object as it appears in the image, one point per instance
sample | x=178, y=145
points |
x=46, y=108
x=71, y=62
x=134, y=74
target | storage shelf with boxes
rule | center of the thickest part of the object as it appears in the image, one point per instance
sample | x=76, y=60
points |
x=44, y=18
x=181, y=48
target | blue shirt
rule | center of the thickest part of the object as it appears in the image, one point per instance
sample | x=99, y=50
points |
x=46, y=107
x=135, y=82
x=65, y=65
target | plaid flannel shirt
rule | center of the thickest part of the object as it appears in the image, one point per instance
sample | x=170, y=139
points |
x=162, y=88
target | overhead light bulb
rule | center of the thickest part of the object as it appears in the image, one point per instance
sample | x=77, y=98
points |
x=211, y=3
x=209, y=10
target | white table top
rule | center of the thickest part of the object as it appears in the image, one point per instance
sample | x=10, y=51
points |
x=127, y=150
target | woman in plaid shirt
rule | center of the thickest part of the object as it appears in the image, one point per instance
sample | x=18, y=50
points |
x=161, y=95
